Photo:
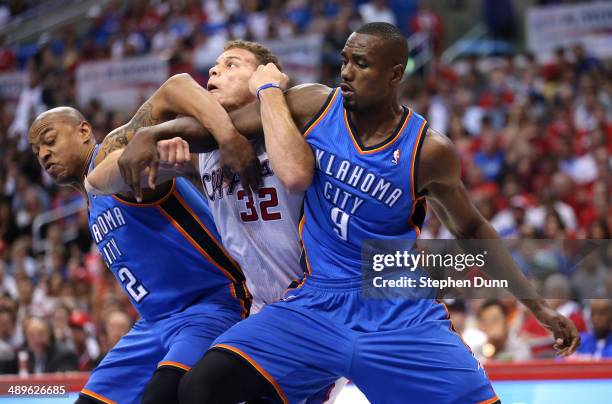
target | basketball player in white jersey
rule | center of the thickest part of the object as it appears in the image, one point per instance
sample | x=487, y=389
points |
x=258, y=228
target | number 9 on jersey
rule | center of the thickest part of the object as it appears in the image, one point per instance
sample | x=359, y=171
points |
x=340, y=221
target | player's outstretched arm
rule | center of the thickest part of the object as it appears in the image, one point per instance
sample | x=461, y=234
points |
x=106, y=178
x=440, y=177
x=291, y=157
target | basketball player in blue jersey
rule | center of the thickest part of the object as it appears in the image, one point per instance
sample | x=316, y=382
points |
x=260, y=229
x=369, y=166
x=164, y=250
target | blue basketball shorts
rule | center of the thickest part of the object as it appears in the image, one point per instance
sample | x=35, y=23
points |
x=179, y=341
x=394, y=350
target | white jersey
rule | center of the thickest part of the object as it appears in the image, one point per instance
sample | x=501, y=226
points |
x=259, y=230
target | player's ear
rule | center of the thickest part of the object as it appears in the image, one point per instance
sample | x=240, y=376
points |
x=85, y=132
x=397, y=74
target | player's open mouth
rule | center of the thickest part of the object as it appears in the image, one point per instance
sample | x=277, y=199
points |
x=211, y=88
x=49, y=166
x=346, y=89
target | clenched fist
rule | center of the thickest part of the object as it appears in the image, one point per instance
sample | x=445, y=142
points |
x=265, y=75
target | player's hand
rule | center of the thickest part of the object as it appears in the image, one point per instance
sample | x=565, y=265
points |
x=237, y=156
x=139, y=154
x=174, y=153
x=563, y=329
x=265, y=75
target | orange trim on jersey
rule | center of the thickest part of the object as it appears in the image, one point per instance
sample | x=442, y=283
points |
x=148, y=204
x=414, y=153
x=489, y=401
x=325, y=111
x=213, y=238
x=195, y=244
x=452, y=328
x=245, y=311
x=301, y=228
x=174, y=364
x=97, y=396
x=261, y=370
x=384, y=146
x=414, y=205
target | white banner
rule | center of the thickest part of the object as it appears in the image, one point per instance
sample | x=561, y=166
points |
x=120, y=84
x=11, y=84
x=300, y=57
x=553, y=26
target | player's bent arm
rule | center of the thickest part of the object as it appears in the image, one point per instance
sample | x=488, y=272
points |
x=440, y=179
x=182, y=95
x=304, y=102
x=106, y=178
x=291, y=157
x=185, y=127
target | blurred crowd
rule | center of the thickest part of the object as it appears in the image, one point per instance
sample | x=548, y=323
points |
x=535, y=140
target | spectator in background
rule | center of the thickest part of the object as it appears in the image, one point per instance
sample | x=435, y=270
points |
x=44, y=355
x=7, y=341
x=84, y=343
x=29, y=106
x=590, y=276
x=500, y=344
x=557, y=292
x=7, y=282
x=376, y=10
x=585, y=63
x=597, y=344
x=59, y=325
x=116, y=324
x=489, y=159
x=426, y=21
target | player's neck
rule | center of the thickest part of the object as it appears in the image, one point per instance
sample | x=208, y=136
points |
x=80, y=183
x=378, y=122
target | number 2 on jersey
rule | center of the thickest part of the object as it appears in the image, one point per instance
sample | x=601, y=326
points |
x=340, y=221
x=129, y=280
x=267, y=199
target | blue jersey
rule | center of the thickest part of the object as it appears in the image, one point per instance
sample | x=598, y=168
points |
x=166, y=254
x=359, y=192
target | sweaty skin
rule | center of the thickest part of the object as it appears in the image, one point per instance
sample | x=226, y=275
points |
x=370, y=77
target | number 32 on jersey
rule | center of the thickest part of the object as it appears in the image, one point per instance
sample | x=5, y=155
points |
x=264, y=205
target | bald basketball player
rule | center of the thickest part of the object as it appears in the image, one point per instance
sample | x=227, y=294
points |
x=163, y=249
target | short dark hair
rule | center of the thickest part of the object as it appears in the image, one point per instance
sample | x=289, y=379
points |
x=391, y=35
x=493, y=303
x=261, y=53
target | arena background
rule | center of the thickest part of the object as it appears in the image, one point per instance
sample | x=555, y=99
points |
x=523, y=88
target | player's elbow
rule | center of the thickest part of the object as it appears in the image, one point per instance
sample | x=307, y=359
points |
x=94, y=185
x=176, y=84
x=297, y=180
x=179, y=79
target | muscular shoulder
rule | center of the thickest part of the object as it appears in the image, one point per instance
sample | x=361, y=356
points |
x=306, y=100
x=439, y=161
x=115, y=140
